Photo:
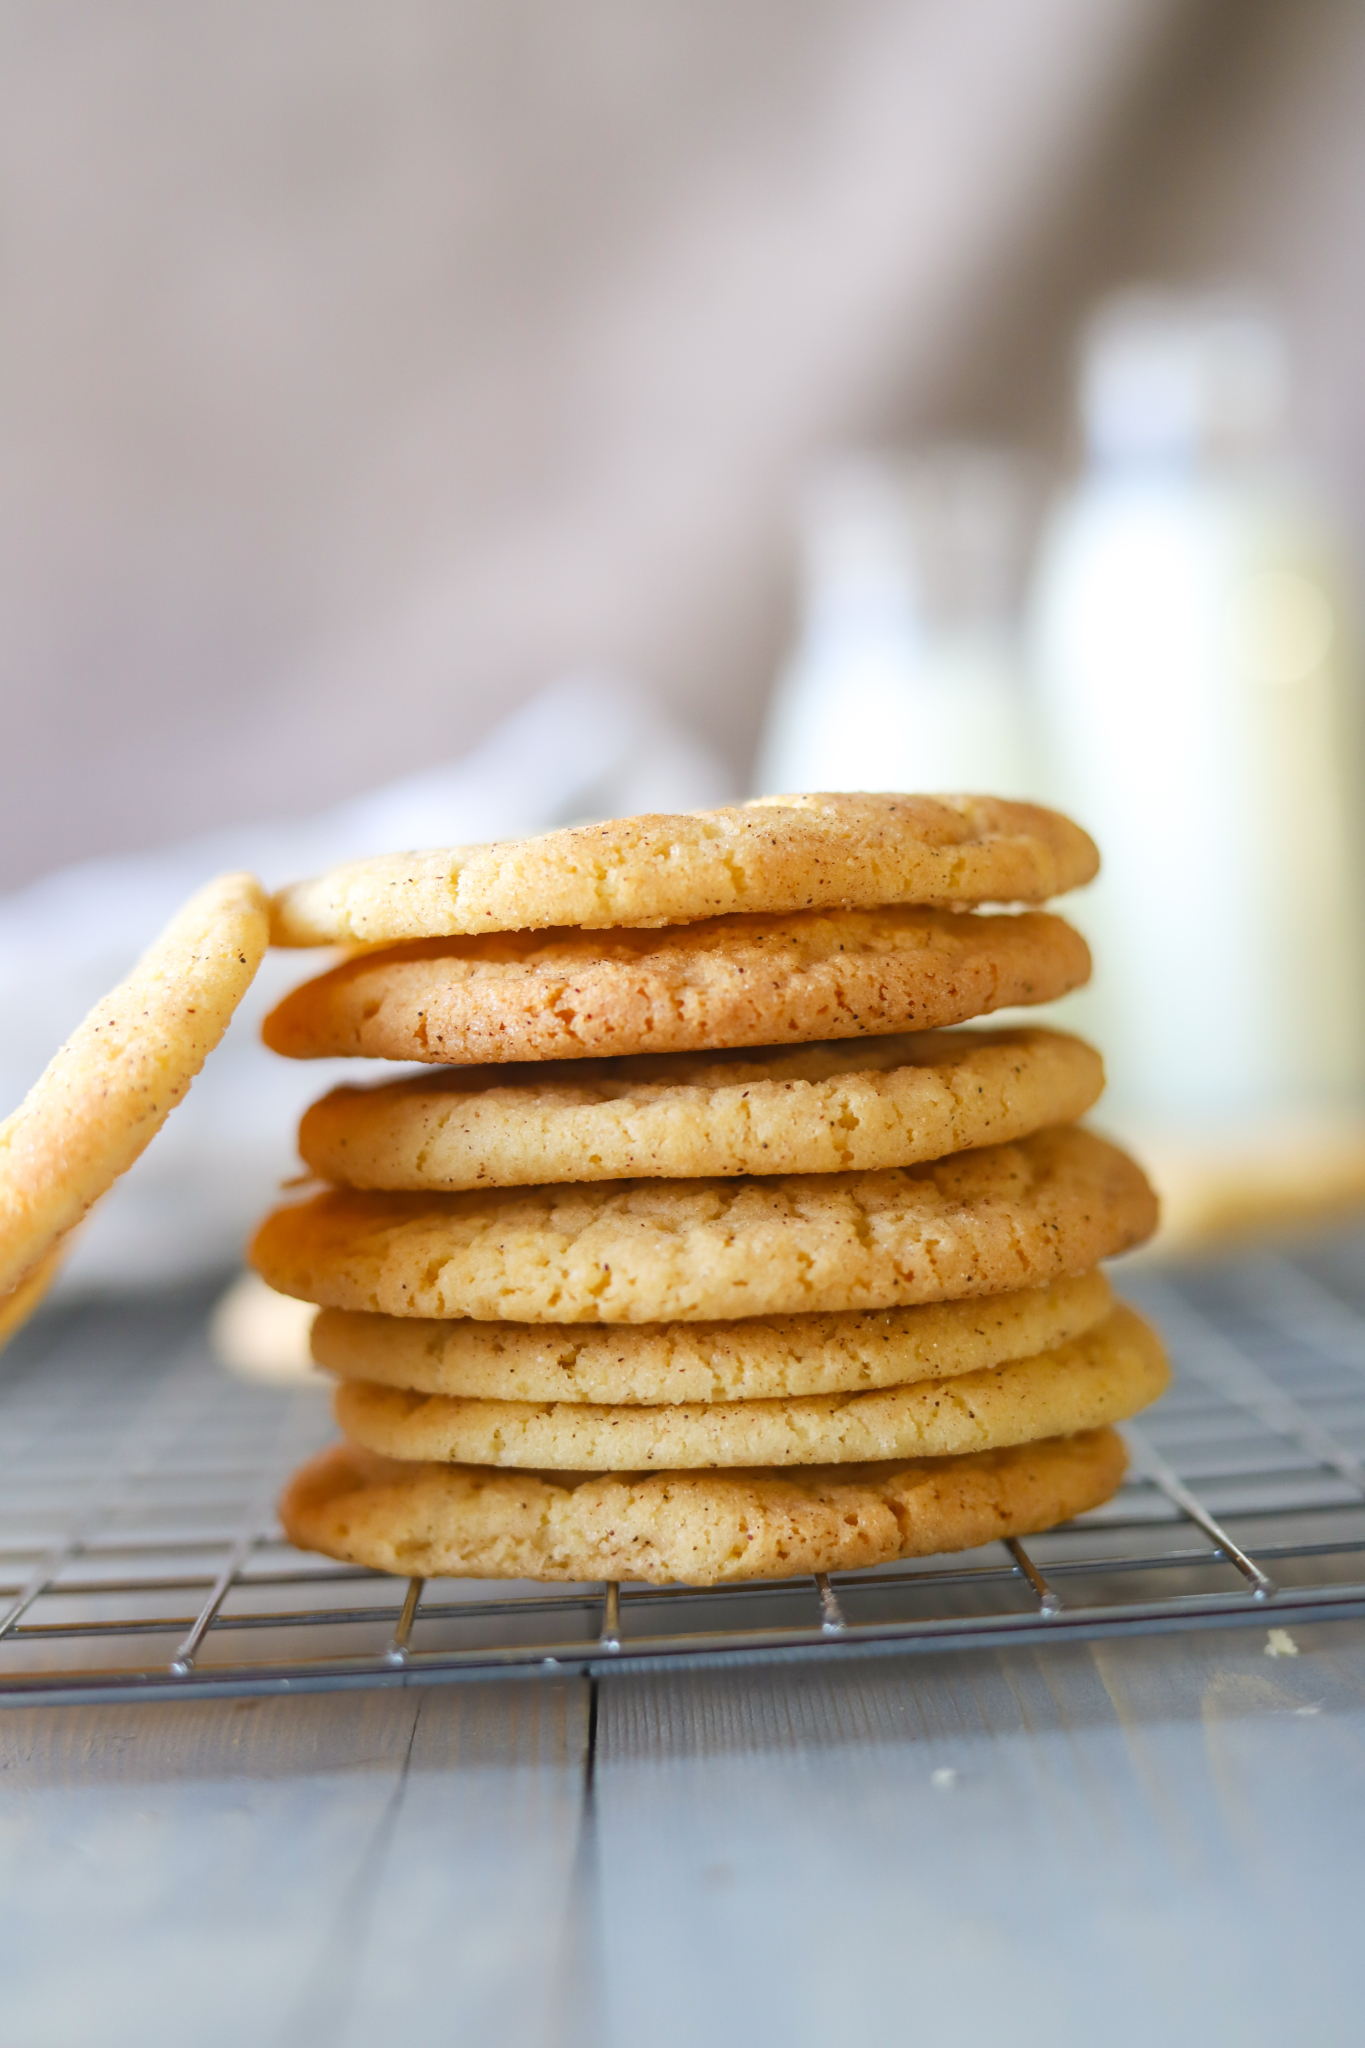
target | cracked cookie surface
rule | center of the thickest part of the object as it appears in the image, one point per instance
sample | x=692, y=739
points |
x=753, y=1359
x=855, y=1104
x=774, y=855
x=644, y=1251
x=692, y=1528
x=725, y=983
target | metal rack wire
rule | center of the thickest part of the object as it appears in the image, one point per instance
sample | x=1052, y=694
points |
x=139, y=1554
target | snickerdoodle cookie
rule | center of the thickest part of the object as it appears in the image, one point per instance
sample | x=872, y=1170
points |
x=697, y=1528
x=731, y=981
x=774, y=855
x=644, y=1251
x=855, y=1104
x=110, y=1088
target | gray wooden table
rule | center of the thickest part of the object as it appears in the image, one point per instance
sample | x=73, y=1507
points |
x=1157, y=1839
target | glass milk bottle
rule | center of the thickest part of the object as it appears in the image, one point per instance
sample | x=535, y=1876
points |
x=906, y=671
x=1198, y=687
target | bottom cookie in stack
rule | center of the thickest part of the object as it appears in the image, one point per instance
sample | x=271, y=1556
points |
x=691, y=1528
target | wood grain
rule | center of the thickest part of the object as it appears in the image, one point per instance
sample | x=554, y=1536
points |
x=1127, y=1842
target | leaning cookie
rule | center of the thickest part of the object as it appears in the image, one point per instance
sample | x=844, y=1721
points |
x=775, y=855
x=859, y=1104
x=693, y=1528
x=757, y=1358
x=1103, y=1377
x=644, y=1251
x=731, y=981
x=21, y=1302
x=113, y=1084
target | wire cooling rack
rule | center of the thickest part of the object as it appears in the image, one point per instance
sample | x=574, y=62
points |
x=139, y=1552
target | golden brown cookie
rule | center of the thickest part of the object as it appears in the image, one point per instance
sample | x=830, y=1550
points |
x=758, y=1358
x=982, y=1222
x=735, y=981
x=697, y=1528
x=113, y=1084
x=19, y=1304
x=775, y=855
x=1102, y=1377
x=856, y=1104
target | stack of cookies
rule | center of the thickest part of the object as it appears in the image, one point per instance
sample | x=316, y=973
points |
x=712, y=1252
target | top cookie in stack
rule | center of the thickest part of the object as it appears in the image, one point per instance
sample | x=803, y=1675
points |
x=668, y=1277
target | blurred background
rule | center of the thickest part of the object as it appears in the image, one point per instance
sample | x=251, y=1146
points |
x=428, y=422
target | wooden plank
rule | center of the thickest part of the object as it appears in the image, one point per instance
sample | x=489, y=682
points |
x=461, y=1925
x=1071, y=1844
x=1158, y=1839
x=324, y=1868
